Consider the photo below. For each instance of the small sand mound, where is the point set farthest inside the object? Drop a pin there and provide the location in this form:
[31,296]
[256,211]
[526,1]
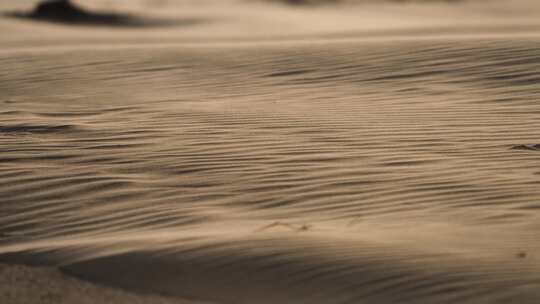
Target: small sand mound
[65,11]
[61,11]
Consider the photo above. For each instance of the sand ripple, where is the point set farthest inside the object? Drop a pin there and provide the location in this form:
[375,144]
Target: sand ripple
[348,172]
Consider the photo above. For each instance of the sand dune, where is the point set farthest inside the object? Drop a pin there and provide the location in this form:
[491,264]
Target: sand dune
[236,162]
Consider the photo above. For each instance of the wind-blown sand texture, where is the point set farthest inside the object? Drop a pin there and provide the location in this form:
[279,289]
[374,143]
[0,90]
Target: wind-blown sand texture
[267,153]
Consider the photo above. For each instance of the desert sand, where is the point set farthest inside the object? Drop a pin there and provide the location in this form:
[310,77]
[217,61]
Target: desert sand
[261,152]
[22,284]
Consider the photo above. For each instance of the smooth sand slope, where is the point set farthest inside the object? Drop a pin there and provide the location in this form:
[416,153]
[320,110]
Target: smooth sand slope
[273,154]
[21,284]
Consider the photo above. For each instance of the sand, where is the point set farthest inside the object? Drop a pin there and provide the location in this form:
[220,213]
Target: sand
[22,284]
[257,152]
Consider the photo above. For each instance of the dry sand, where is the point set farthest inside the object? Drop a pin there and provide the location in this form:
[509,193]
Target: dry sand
[249,152]
[32,285]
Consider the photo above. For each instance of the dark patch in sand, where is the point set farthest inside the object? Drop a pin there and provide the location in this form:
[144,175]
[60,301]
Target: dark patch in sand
[330,2]
[304,2]
[288,73]
[67,13]
[36,129]
[303,227]
[528,147]
[9,113]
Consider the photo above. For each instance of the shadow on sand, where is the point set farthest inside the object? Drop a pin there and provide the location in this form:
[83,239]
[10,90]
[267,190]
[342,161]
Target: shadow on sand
[67,13]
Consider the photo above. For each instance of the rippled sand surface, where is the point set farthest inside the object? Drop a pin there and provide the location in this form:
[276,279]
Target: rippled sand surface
[272,154]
